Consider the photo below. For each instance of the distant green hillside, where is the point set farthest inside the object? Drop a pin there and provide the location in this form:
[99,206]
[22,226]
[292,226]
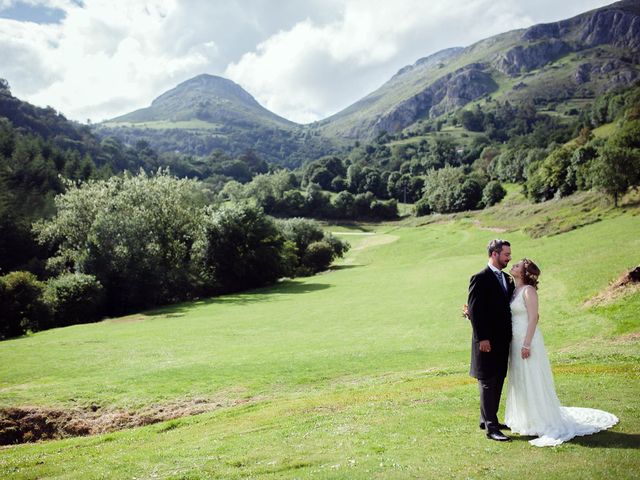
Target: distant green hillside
[207,113]
[208,98]
[560,64]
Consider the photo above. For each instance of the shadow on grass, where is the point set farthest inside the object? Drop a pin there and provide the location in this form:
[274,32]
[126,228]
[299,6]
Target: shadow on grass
[264,294]
[609,440]
[354,226]
[604,439]
[342,267]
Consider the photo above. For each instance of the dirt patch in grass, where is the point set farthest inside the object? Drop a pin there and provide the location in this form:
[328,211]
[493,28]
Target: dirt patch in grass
[627,284]
[25,424]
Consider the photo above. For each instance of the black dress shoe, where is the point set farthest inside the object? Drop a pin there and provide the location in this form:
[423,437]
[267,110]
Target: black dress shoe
[501,426]
[498,436]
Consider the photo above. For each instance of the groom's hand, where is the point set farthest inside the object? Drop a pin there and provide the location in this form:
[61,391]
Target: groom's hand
[485,346]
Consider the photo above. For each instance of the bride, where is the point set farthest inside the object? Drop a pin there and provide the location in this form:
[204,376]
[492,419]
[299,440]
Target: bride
[532,405]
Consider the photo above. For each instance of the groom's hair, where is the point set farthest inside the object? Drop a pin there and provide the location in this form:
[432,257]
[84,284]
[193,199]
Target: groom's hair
[496,245]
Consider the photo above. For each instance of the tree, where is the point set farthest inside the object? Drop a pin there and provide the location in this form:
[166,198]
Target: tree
[451,190]
[21,304]
[133,233]
[616,170]
[493,192]
[241,248]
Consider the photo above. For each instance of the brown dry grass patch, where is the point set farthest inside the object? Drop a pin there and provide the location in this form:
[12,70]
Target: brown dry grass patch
[626,284]
[31,424]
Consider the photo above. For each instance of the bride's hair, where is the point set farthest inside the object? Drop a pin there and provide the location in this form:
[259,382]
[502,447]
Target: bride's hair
[530,272]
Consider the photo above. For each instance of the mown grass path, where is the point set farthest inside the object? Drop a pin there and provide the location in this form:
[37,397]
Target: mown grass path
[360,372]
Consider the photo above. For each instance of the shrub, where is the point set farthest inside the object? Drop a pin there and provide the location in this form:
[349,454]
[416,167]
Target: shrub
[384,210]
[318,256]
[451,190]
[74,298]
[241,247]
[303,233]
[422,208]
[493,192]
[339,247]
[21,304]
[134,233]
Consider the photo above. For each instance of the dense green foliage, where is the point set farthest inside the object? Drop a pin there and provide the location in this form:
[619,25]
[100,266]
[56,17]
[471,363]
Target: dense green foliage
[134,233]
[74,298]
[283,147]
[133,242]
[21,304]
[242,248]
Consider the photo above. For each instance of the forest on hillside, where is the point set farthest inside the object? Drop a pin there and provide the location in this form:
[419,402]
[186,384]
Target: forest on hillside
[91,226]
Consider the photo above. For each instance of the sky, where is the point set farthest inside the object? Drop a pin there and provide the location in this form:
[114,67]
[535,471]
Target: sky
[303,59]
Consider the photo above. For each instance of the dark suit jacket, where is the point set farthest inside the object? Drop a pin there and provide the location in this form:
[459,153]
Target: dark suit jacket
[490,315]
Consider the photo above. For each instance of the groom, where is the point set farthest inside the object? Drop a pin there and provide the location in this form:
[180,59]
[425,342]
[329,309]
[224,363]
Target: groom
[490,314]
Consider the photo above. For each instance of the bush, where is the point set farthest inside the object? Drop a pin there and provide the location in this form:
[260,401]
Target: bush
[74,298]
[303,233]
[134,233]
[241,248]
[318,256]
[384,210]
[21,304]
[422,208]
[451,190]
[339,247]
[493,192]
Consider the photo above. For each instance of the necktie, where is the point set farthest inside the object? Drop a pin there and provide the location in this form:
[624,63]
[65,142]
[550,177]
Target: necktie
[501,280]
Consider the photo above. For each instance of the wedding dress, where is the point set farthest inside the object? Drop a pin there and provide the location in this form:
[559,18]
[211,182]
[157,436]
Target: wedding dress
[533,407]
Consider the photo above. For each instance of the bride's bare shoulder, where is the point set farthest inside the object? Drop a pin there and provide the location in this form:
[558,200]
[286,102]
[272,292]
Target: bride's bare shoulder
[529,291]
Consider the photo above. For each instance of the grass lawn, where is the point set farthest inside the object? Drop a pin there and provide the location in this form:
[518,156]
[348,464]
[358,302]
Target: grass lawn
[360,372]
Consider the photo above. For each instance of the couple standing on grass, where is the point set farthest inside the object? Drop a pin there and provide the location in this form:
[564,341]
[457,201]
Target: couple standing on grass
[503,310]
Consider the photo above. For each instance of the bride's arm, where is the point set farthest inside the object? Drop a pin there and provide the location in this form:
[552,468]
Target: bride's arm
[531,302]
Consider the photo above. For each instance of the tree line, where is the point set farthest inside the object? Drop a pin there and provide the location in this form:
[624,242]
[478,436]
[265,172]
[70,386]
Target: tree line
[137,241]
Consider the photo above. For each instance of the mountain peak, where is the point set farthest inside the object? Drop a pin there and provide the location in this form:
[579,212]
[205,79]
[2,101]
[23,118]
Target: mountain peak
[205,97]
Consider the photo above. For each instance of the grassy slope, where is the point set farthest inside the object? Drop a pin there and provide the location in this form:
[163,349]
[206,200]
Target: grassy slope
[358,373]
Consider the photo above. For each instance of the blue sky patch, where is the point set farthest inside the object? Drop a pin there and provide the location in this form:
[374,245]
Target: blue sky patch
[24,12]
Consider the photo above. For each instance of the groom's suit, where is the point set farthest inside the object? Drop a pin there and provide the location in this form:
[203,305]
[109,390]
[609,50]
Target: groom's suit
[490,315]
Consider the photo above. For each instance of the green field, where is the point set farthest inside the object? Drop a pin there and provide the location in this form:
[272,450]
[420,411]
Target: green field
[360,372]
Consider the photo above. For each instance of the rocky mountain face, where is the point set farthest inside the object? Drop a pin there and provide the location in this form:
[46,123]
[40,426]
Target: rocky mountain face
[581,57]
[617,25]
[447,93]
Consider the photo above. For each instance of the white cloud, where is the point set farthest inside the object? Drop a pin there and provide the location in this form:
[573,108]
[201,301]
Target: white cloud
[303,60]
[101,51]
[314,69]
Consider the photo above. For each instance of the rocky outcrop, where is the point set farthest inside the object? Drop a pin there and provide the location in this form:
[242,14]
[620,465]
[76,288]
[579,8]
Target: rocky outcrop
[621,78]
[583,73]
[529,57]
[447,93]
[617,25]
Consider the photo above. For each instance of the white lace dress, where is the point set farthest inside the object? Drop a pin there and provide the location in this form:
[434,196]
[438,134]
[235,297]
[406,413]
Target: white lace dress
[533,407]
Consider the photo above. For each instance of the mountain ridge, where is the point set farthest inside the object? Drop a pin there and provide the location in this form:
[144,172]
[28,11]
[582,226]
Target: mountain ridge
[543,64]
[512,54]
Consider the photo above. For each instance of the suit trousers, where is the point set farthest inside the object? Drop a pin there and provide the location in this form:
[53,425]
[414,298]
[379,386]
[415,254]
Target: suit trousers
[490,392]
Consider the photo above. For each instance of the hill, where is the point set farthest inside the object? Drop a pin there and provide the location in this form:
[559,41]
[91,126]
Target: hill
[558,67]
[359,373]
[561,64]
[208,98]
[207,113]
